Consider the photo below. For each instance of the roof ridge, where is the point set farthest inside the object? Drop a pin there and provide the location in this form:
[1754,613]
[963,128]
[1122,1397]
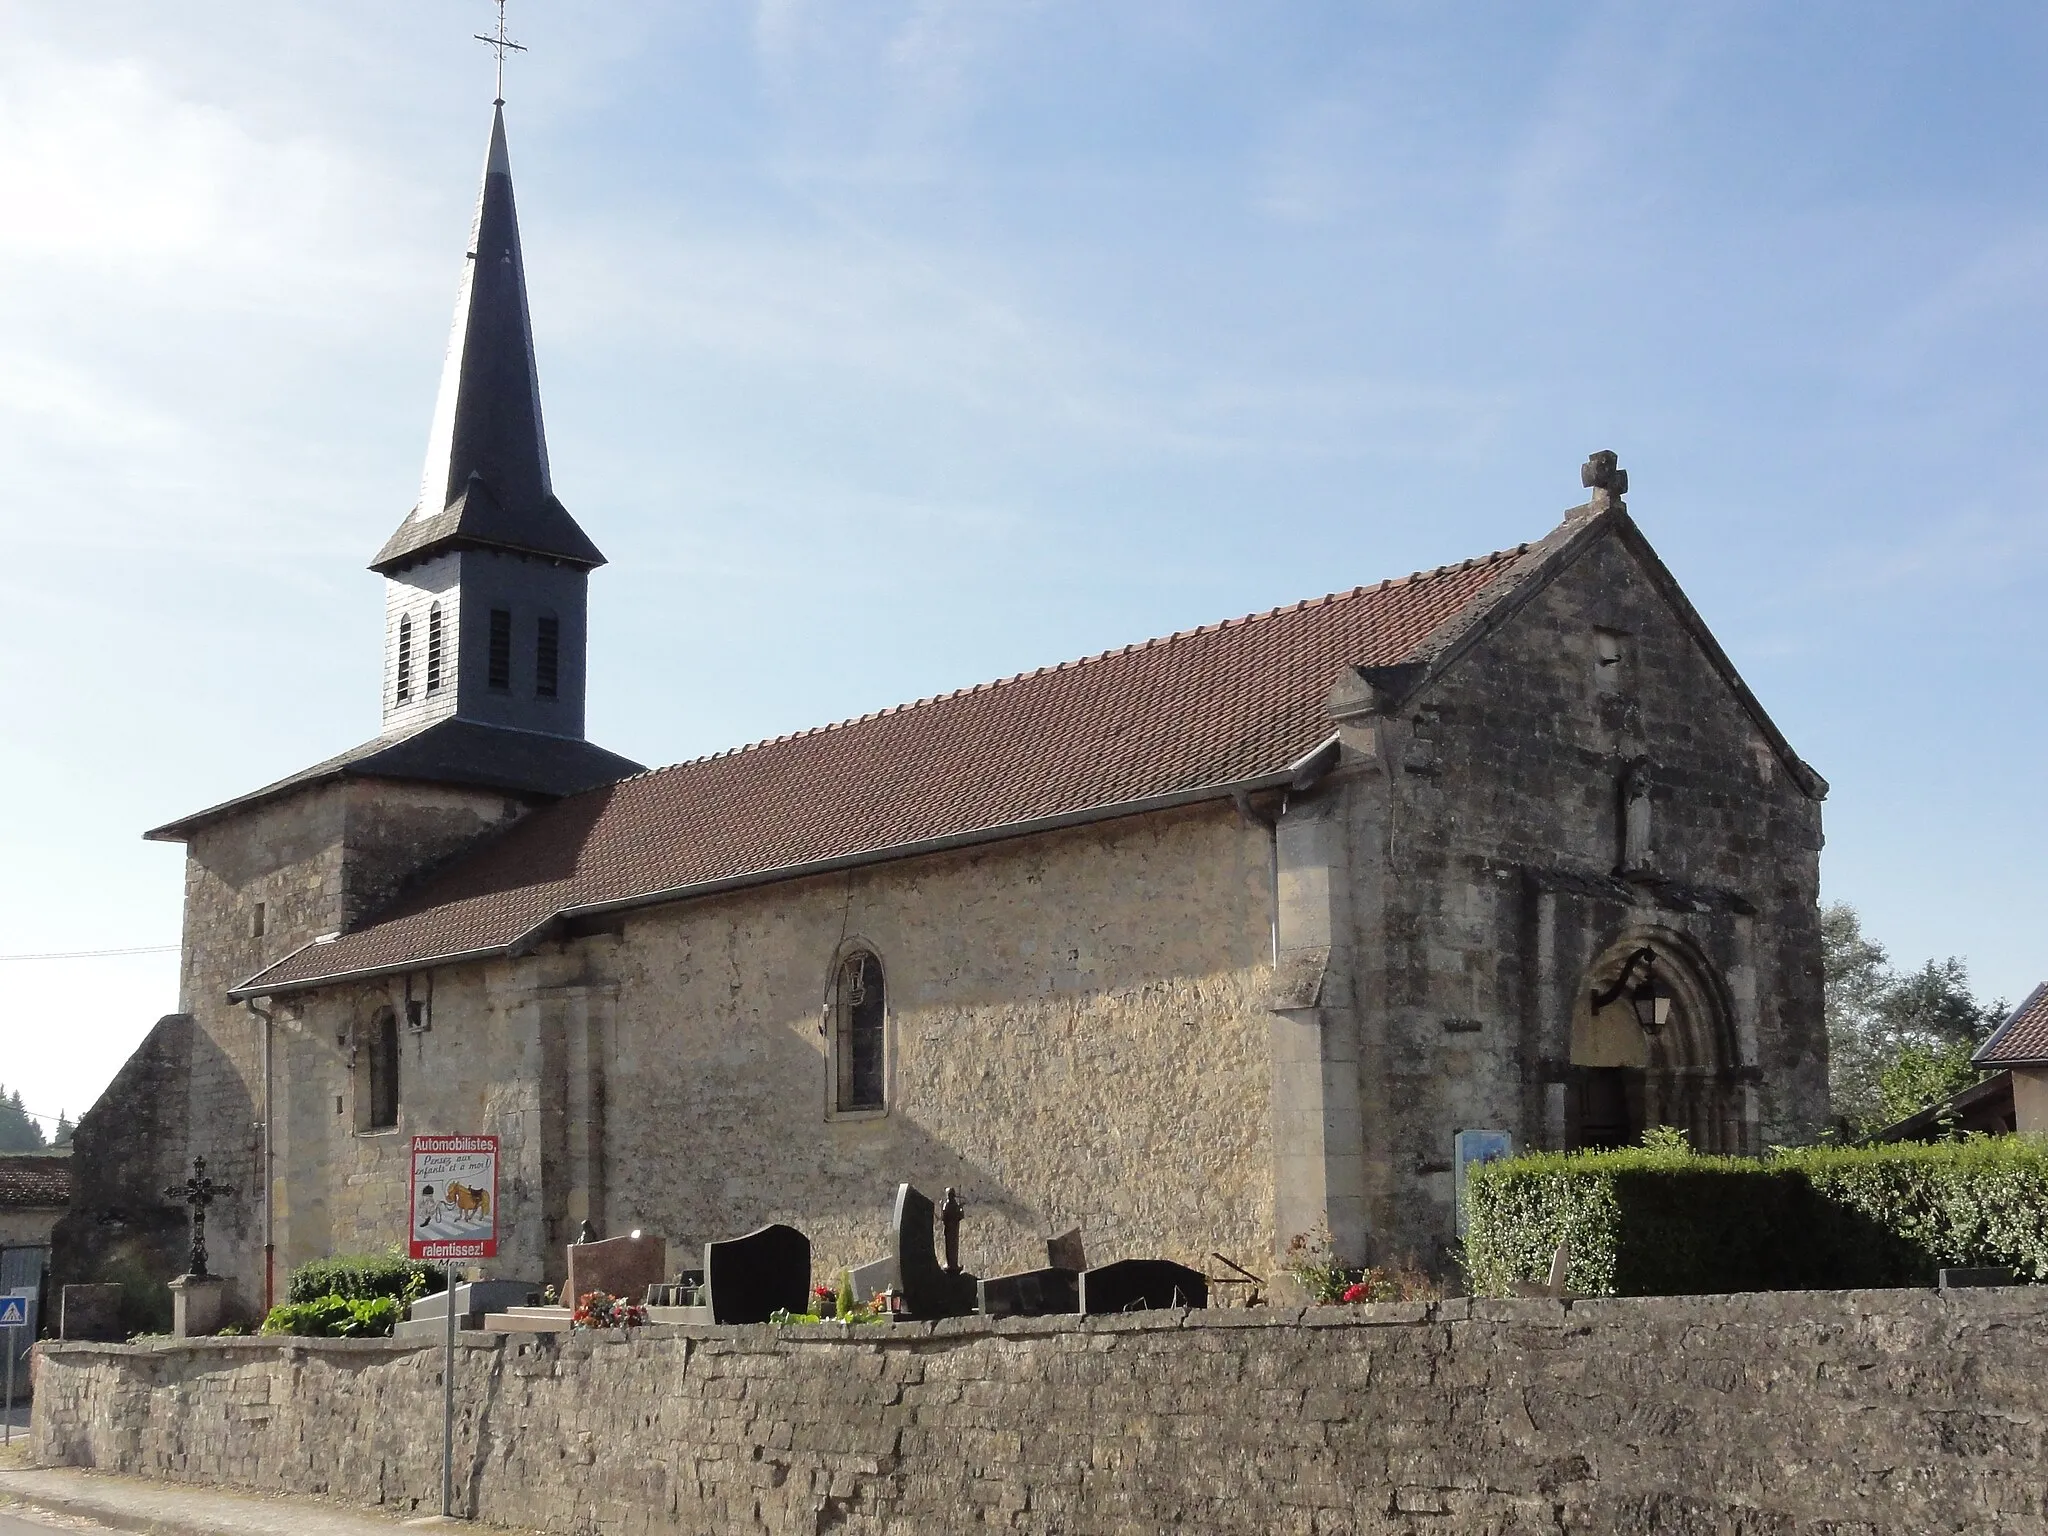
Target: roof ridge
[1091,659]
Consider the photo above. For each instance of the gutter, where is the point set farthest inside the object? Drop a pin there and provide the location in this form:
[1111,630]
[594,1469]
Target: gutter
[1300,774]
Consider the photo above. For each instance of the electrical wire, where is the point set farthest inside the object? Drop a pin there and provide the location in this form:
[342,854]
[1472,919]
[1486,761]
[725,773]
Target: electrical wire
[96,954]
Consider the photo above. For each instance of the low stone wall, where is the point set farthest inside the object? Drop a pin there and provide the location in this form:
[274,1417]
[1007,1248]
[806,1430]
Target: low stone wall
[1844,1413]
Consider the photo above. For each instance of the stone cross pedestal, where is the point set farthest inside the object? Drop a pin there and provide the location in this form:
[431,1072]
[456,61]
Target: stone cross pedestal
[196,1305]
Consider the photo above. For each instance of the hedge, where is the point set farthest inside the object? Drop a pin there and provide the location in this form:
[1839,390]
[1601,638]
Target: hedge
[364,1277]
[1658,1222]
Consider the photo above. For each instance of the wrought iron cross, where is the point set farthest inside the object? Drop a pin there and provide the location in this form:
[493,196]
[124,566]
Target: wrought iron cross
[500,44]
[198,1192]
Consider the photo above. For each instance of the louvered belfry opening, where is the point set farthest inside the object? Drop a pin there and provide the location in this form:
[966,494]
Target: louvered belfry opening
[404,688]
[547,656]
[501,649]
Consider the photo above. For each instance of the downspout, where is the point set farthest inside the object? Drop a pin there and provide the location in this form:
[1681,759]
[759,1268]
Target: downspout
[269,1187]
[1272,825]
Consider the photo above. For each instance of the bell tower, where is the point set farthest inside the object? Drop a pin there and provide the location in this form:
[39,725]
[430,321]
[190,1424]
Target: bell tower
[485,581]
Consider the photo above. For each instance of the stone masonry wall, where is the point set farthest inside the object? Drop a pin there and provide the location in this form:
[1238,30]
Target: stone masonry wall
[1818,1414]
[1486,829]
[1076,1035]
[315,860]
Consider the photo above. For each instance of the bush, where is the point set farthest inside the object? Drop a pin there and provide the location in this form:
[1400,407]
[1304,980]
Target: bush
[1658,1221]
[363,1277]
[335,1317]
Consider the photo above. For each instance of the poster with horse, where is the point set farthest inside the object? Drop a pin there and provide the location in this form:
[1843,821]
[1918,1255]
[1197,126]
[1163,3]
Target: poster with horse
[454,1198]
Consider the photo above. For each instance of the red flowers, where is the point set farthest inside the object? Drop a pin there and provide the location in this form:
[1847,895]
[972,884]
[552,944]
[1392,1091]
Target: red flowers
[1359,1292]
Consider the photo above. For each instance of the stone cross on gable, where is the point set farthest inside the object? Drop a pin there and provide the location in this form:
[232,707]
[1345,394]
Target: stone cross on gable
[1603,475]
[198,1192]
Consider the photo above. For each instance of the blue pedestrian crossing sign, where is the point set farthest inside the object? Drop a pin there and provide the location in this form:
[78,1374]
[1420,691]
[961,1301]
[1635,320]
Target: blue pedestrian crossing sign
[13,1311]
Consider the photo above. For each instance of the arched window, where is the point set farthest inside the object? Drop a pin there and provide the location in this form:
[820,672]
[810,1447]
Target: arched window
[859,1010]
[404,657]
[433,647]
[383,1071]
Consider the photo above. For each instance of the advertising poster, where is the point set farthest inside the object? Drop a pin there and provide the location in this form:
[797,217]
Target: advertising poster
[454,1198]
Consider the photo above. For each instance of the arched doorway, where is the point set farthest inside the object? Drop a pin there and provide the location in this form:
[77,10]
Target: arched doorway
[1624,1079]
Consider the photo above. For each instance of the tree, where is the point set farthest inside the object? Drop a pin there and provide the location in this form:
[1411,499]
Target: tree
[1922,1076]
[62,1138]
[18,1130]
[1876,1016]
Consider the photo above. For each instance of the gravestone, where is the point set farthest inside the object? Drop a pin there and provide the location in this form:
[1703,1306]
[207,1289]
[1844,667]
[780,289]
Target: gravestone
[767,1271]
[1031,1293]
[474,1301]
[928,1291]
[1142,1285]
[1066,1251]
[869,1280]
[617,1266]
[91,1313]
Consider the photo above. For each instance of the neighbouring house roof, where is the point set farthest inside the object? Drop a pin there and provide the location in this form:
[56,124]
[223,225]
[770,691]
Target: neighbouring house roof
[2022,1040]
[1197,715]
[455,751]
[1983,1108]
[35,1181]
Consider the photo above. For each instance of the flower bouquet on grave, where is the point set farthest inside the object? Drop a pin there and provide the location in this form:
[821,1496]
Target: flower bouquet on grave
[597,1309]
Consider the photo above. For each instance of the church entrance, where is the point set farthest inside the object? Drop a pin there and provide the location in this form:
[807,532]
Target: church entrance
[1652,1044]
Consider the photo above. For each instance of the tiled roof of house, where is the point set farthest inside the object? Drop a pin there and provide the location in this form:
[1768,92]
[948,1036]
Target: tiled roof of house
[1205,709]
[2022,1040]
[33,1181]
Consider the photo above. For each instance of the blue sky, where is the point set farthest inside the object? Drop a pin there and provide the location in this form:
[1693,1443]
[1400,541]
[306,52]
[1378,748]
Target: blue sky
[888,347]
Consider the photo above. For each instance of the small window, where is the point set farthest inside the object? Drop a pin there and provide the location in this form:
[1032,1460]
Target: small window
[857,1045]
[384,1071]
[256,916]
[547,655]
[501,648]
[433,648]
[404,657]
[1611,661]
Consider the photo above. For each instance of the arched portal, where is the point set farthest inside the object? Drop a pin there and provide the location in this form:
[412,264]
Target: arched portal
[1625,1079]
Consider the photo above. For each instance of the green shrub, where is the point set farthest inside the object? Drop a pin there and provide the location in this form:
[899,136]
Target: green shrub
[1658,1221]
[335,1317]
[362,1276]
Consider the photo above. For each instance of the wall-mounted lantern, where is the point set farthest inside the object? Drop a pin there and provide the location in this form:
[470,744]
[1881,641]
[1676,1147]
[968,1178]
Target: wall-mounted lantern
[1649,1000]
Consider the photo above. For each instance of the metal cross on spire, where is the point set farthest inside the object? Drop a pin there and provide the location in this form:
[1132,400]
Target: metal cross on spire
[500,44]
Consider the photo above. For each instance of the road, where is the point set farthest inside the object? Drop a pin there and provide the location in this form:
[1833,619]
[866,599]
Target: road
[42,1525]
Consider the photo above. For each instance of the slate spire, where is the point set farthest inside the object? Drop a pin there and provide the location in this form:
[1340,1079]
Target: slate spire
[487,483]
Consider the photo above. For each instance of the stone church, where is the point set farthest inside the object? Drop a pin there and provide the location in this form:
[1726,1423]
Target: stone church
[1197,945]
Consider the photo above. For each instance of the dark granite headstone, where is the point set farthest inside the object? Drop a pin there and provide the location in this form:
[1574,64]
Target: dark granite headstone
[748,1278]
[928,1291]
[1066,1252]
[1031,1293]
[1142,1285]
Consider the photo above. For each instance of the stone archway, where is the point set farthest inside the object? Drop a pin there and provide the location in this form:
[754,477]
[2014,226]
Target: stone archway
[1623,1081]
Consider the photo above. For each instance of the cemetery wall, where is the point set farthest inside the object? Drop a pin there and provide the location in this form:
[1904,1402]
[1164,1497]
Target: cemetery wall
[1076,1036]
[1793,1414]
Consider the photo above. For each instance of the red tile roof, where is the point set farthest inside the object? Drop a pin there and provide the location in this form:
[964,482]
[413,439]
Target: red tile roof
[2022,1040]
[1204,709]
[30,1181]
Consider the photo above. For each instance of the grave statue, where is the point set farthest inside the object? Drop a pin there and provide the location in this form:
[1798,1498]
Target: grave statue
[929,1289]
